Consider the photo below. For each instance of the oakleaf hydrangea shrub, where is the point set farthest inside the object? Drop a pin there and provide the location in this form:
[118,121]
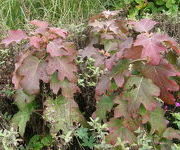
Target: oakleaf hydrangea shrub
[136,77]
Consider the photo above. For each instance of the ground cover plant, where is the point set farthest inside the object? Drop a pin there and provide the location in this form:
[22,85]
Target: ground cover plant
[136,81]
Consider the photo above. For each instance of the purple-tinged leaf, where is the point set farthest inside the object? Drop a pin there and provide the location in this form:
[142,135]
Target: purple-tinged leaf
[14,36]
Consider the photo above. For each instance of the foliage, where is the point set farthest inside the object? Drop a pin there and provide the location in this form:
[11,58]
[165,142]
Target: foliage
[177,119]
[46,58]
[139,8]
[37,142]
[135,72]
[9,139]
[95,136]
[7,91]
[89,73]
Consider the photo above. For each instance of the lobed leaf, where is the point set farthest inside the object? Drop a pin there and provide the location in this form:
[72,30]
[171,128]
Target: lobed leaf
[139,90]
[157,121]
[103,106]
[144,25]
[116,130]
[39,23]
[160,76]
[65,67]
[14,36]
[32,70]
[62,114]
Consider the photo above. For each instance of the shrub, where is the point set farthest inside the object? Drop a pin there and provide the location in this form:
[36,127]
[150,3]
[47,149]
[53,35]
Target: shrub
[134,83]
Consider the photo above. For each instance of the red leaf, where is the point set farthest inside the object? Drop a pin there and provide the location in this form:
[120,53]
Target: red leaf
[144,25]
[110,62]
[160,76]
[40,24]
[170,42]
[14,36]
[99,60]
[133,52]
[119,71]
[16,78]
[103,85]
[64,66]
[32,70]
[152,47]
[119,79]
[126,44]
[116,130]
[35,41]
[56,48]
[89,51]
[60,32]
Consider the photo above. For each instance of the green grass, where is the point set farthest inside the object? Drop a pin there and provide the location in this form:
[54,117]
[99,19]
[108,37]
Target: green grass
[15,13]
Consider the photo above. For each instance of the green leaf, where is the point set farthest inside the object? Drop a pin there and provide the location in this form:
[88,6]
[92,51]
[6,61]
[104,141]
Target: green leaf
[47,140]
[160,2]
[35,143]
[22,99]
[157,120]
[22,117]
[62,113]
[89,142]
[82,133]
[104,105]
[139,90]
[121,66]
[139,1]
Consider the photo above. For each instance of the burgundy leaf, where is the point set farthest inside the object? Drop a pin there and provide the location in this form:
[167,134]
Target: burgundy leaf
[160,76]
[89,51]
[110,62]
[133,52]
[103,85]
[152,46]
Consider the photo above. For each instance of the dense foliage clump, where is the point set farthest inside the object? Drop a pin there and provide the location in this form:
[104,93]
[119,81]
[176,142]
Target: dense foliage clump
[136,79]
